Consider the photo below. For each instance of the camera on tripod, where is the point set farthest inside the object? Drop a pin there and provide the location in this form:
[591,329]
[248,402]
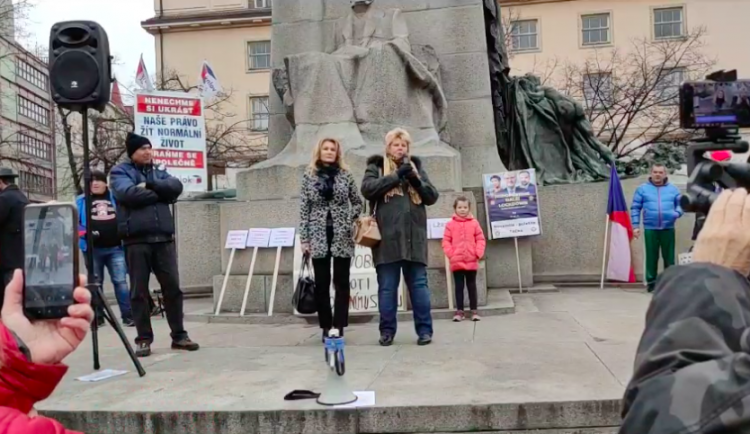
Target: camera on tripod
[721,106]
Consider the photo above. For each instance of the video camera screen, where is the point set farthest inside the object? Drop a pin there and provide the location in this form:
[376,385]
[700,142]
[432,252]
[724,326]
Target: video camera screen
[710,104]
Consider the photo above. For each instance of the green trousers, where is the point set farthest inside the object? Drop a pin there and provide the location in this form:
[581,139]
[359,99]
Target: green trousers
[656,240]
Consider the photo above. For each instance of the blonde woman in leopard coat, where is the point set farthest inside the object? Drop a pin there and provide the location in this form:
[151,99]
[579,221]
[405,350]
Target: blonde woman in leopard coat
[329,206]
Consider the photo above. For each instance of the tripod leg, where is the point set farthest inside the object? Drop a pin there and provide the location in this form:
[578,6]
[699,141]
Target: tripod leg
[109,316]
[95,324]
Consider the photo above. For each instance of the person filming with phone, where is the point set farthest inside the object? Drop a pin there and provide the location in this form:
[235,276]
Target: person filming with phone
[692,367]
[145,223]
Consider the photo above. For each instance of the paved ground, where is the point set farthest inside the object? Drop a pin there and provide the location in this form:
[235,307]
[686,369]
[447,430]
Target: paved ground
[569,346]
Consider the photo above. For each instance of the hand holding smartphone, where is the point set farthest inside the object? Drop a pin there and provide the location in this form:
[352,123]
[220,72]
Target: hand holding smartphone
[51,260]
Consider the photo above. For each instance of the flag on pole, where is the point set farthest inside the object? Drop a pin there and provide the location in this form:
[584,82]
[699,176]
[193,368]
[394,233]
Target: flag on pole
[620,265]
[142,78]
[211,86]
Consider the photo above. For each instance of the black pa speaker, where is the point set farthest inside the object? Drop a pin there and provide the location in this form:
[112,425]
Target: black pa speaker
[79,65]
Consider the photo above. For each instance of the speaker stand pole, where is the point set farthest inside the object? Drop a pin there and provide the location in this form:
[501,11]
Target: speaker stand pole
[98,302]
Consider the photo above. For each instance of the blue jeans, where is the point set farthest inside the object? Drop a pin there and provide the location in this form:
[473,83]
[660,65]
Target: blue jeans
[114,259]
[389,277]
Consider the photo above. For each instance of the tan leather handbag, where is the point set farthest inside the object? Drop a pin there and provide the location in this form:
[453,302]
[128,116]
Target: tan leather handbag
[366,230]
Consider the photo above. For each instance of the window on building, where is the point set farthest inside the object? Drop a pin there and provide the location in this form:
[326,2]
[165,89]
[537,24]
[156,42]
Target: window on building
[33,111]
[598,90]
[669,23]
[35,183]
[259,55]
[524,35]
[35,147]
[596,29]
[263,4]
[259,113]
[668,87]
[31,74]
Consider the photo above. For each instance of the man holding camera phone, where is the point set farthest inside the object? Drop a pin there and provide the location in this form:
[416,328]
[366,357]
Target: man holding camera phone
[144,194]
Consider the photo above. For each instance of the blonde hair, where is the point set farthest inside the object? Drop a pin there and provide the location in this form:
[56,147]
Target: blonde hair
[398,133]
[389,166]
[313,166]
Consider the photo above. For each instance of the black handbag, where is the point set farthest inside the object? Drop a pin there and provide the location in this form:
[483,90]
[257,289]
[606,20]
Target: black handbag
[304,294]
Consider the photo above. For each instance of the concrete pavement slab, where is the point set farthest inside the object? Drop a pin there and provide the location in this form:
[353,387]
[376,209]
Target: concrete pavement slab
[561,363]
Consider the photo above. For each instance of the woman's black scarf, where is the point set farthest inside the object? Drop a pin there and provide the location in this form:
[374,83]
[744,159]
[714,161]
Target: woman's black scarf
[326,178]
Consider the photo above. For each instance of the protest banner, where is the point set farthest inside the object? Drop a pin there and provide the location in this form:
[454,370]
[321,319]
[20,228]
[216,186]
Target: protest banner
[174,123]
[512,204]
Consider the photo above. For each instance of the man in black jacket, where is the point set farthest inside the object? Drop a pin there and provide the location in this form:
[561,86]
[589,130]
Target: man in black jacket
[145,223]
[12,203]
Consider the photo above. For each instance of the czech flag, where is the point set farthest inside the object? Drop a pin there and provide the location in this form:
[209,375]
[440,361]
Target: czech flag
[620,265]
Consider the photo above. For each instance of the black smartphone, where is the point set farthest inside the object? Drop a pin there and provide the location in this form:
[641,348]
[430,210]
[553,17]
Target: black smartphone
[51,259]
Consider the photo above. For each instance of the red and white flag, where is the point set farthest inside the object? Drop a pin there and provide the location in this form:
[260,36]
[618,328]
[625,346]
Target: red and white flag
[620,265]
[142,79]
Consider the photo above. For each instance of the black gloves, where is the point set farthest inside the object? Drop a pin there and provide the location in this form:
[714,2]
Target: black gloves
[415,181]
[404,170]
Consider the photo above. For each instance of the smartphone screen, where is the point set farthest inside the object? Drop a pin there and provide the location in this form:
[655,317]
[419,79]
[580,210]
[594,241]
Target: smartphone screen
[51,260]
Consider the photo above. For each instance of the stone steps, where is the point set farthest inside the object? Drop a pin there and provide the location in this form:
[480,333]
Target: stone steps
[499,302]
[579,417]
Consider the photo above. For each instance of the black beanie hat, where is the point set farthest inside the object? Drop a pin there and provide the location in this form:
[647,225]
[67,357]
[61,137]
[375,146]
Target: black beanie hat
[135,142]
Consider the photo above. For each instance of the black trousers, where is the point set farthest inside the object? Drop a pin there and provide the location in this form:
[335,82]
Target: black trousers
[470,278]
[161,258]
[322,268]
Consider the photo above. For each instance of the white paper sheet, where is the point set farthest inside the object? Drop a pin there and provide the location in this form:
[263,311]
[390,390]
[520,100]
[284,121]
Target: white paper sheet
[101,375]
[364,399]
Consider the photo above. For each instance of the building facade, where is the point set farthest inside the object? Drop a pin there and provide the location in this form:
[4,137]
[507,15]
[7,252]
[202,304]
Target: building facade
[27,127]
[624,60]
[544,31]
[234,36]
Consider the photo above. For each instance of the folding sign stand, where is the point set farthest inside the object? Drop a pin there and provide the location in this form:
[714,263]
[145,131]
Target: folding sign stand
[604,253]
[236,240]
[436,231]
[280,238]
[518,266]
[256,238]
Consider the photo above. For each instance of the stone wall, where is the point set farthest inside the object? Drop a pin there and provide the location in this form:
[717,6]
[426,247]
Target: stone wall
[569,248]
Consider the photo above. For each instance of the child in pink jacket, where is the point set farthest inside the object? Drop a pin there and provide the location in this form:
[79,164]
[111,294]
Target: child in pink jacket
[463,244]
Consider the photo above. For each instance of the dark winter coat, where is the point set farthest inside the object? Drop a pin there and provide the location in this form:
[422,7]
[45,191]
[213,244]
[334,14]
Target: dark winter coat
[402,224]
[12,204]
[143,215]
[345,206]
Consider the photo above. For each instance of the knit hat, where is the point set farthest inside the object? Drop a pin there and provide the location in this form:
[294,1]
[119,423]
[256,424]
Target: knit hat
[135,142]
[721,156]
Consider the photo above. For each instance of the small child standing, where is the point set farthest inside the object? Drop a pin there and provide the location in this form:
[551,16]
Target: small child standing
[463,244]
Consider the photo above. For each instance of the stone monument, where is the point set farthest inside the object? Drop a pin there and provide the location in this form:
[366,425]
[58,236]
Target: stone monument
[353,70]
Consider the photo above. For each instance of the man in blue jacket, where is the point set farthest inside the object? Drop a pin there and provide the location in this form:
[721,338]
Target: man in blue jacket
[108,251]
[144,194]
[659,201]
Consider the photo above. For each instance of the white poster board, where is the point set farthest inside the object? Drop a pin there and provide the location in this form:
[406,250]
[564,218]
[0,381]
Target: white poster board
[258,237]
[436,231]
[512,204]
[236,240]
[175,124]
[281,237]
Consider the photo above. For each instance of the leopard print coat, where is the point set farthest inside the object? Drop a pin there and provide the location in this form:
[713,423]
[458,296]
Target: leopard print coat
[345,207]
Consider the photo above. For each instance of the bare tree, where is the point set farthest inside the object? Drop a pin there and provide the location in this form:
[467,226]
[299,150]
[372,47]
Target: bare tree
[631,95]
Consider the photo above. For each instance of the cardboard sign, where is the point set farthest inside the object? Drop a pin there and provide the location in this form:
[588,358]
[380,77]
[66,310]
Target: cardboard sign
[436,228]
[258,237]
[236,239]
[282,237]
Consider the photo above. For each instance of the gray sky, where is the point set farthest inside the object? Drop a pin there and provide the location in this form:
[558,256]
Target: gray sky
[120,18]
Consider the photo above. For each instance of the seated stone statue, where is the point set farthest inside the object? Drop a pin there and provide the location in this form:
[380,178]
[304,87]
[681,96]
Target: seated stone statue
[368,82]
[549,132]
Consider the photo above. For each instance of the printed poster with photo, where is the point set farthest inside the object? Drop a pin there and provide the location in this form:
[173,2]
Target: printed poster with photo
[512,204]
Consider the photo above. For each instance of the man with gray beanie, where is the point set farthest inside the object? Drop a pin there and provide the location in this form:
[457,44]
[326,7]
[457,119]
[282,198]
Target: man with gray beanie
[144,220]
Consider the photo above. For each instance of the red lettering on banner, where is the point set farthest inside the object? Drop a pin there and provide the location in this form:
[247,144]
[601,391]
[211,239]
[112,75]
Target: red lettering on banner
[168,105]
[179,159]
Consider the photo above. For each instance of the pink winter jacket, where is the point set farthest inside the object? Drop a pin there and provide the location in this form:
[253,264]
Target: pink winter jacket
[464,243]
